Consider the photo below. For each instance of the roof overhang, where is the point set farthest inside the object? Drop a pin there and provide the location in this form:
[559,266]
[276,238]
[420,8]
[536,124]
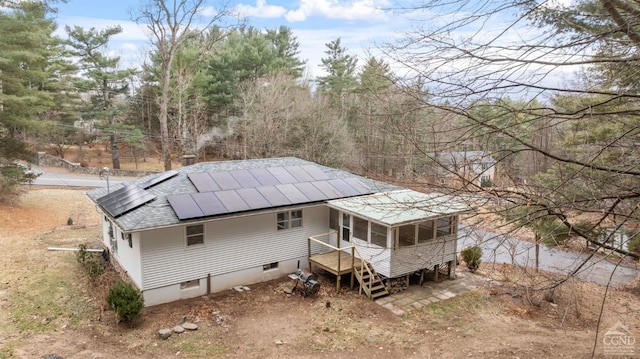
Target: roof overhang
[400,207]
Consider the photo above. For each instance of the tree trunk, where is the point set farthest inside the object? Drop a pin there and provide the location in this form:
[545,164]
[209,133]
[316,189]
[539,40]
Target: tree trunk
[164,129]
[115,155]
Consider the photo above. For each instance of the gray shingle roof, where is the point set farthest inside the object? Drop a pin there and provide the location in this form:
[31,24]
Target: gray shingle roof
[159,213]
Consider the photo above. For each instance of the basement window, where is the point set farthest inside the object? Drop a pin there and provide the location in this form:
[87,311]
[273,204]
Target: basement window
[270,266]
[190,284]
[195,235]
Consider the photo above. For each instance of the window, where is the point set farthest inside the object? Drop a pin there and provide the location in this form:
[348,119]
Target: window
[190,284]
[346,227]
[334,218]
[407,236]
[360,228]
[379,235]
[425,231]
[195,235]
[270,266]
[289,219]
[444,227]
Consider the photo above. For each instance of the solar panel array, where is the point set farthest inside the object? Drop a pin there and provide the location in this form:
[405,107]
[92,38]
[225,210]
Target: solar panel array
[125,199]
[159,179]
[258,188]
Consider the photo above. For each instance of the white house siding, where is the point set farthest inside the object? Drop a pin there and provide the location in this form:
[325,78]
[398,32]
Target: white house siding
[406,260]
[127,257]
[234,253]
[378,257]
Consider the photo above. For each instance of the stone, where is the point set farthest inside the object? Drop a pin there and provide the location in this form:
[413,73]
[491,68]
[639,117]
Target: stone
[190,326]
[164,333]
[238,289]
[178,329]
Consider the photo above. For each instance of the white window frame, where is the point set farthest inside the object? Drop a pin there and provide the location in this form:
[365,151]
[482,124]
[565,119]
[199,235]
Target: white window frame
[289,219]
[187,236]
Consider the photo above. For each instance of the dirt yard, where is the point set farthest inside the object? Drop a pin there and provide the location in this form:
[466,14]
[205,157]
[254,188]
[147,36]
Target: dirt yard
[49,306]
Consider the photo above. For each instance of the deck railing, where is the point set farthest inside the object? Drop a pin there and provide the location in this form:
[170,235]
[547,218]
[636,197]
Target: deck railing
[364,265]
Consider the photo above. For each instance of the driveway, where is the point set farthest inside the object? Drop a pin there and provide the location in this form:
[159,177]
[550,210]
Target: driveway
[504,249]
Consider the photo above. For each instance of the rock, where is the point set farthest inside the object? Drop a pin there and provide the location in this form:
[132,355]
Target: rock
[238,289]
[182,320]
[289,288]
[244,287]
[279,342]
[178,329]
[190,326]
[164,333]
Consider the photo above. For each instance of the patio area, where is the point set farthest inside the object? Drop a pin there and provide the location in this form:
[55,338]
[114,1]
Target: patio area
[416,296]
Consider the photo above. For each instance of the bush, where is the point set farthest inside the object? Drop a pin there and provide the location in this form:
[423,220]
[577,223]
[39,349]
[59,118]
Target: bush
[126,301]
[92,262]
[471,257]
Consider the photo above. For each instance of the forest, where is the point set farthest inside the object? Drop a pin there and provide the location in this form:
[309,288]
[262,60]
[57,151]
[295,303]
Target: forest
[552,98]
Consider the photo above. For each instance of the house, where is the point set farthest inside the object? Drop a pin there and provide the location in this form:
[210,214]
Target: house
[211,226]
[476,167]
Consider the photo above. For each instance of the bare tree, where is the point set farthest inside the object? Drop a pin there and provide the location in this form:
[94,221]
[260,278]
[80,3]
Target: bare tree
[536,82]
[170,24]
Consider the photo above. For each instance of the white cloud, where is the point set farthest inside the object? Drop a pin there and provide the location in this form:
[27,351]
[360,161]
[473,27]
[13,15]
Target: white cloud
[355,10]
[261,10]
[208,11]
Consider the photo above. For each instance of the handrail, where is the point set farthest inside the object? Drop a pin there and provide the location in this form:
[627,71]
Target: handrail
[354,251]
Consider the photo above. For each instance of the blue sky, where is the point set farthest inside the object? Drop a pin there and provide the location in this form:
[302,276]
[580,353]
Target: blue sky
[360,24]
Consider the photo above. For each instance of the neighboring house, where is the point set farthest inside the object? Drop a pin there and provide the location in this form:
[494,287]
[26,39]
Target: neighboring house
[477,167]
[211,226]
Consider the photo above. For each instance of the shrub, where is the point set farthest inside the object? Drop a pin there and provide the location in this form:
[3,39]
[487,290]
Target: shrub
[126,301]
[471,257]
[92,263]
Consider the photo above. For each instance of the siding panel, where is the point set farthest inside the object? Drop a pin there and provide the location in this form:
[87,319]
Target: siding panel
[230,245]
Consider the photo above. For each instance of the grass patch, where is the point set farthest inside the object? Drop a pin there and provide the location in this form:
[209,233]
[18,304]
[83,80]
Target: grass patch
[49,299]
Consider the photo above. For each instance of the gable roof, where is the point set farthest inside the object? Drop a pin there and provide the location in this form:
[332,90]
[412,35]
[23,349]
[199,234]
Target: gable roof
[400,207]
[227,188]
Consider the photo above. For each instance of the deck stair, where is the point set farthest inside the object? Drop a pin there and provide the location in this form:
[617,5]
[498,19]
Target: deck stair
[370,281]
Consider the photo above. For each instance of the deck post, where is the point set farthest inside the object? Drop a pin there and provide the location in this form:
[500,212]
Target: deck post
[421,276]
[338,276]
[436,271]
[309,253]
[353,264]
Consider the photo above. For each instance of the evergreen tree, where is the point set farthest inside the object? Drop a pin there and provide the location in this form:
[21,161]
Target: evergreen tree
[101,79]
[340,79]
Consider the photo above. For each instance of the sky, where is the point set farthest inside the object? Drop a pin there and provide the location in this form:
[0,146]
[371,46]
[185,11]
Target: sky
[361,24]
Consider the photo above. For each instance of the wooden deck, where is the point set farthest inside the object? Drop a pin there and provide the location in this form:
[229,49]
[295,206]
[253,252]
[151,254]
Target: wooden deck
[336,262]
[329,262]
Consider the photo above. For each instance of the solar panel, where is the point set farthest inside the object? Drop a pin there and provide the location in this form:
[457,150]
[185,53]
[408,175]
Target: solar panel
[310,191]
[253,198]
[232,201]
[281,175]
[159,178]
[344,187]
[327,189]
[245,178]
[203,182]
[124,200]
[315,172]
[184,206]
[292,193]
[209,204]
[275,197]
[225,180]
[263,176]
[359,186]
[299,174]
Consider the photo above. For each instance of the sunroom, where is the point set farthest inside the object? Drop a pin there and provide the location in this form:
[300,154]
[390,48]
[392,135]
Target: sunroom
[398,233]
